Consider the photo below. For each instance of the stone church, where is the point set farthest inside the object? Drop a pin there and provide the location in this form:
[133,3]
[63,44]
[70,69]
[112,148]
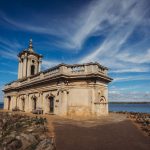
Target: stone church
[78,89]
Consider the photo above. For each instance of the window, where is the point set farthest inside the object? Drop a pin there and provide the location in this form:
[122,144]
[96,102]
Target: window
[32,70]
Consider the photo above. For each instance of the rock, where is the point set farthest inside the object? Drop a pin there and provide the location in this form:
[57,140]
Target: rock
[15,144]
[30,130]
[45,145]
[29,137]
[8,140]
[13,134]
[42,137]
[24,133]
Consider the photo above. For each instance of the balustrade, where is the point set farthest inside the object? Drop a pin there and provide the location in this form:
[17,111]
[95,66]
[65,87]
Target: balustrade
[61,69]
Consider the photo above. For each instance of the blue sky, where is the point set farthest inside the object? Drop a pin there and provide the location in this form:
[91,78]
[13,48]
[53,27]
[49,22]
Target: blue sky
[114,33]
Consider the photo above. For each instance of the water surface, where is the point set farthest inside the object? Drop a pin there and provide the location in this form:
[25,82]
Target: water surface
[1,105]
[144,108]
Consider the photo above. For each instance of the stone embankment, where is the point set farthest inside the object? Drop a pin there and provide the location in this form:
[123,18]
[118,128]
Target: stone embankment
[20,132]
[142,119]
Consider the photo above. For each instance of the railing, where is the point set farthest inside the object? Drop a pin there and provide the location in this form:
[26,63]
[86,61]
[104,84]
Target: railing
[76,69]
[102,70]
[61,69]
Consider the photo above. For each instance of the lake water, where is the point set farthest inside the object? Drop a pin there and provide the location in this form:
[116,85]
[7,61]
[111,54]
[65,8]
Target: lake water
[1,105]
[145,108]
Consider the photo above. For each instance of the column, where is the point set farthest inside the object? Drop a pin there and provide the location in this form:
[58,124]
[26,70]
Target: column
[106,97]
[19,68]
[17,101]
[30,103]
[14,101]
[41,101]
[36,69]
[5,103]
[28,67]
[92,100]
[64,103]
[25,66]
[20,72]
[27,103]
[44,103]
[40,65]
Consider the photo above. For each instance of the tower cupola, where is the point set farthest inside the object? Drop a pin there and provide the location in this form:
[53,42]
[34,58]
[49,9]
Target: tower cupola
[29,62]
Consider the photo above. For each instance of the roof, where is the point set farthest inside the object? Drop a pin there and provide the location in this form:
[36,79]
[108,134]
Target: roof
[29,51]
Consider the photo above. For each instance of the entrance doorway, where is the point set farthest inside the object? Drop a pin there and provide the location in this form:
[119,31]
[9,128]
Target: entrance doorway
[51,104]
[34,103]
[9,101]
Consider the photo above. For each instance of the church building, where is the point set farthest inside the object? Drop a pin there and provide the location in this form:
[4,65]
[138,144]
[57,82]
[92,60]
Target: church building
[78,89]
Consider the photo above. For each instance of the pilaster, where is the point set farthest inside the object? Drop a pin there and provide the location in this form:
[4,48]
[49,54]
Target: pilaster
[28,66]
[40,62]
[19,65]
[64,103]
[25,66]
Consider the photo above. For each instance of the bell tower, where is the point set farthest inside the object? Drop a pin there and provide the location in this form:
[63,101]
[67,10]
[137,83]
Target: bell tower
[29,62]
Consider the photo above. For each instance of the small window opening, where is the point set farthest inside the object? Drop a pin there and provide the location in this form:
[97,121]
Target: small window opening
[32,70]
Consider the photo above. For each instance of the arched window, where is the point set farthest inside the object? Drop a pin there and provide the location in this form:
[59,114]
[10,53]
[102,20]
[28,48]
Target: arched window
[51,104]
[9,102]
[102,99]
[34,102]
[23,104]
[50,98]
[32,70]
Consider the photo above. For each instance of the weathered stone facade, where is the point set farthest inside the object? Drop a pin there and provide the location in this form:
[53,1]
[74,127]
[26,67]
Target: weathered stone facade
[79,89]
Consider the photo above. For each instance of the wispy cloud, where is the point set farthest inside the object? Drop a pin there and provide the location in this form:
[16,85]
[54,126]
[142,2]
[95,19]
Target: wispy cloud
[9,49]
[8,72]
[130,93]
[9,54]
[127,20]
[130,70]
[93,19]
[130,96]
[139,58]
[131,78]
[47,64]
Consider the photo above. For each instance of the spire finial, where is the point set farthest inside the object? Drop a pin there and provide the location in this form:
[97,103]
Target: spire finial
[30,46]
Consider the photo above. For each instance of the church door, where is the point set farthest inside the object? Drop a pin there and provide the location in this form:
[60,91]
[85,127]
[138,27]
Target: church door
[9,101]
[34,104]
[23,104]
[51,102]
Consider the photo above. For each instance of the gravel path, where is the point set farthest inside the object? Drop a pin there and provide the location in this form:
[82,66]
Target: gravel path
[110,133]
